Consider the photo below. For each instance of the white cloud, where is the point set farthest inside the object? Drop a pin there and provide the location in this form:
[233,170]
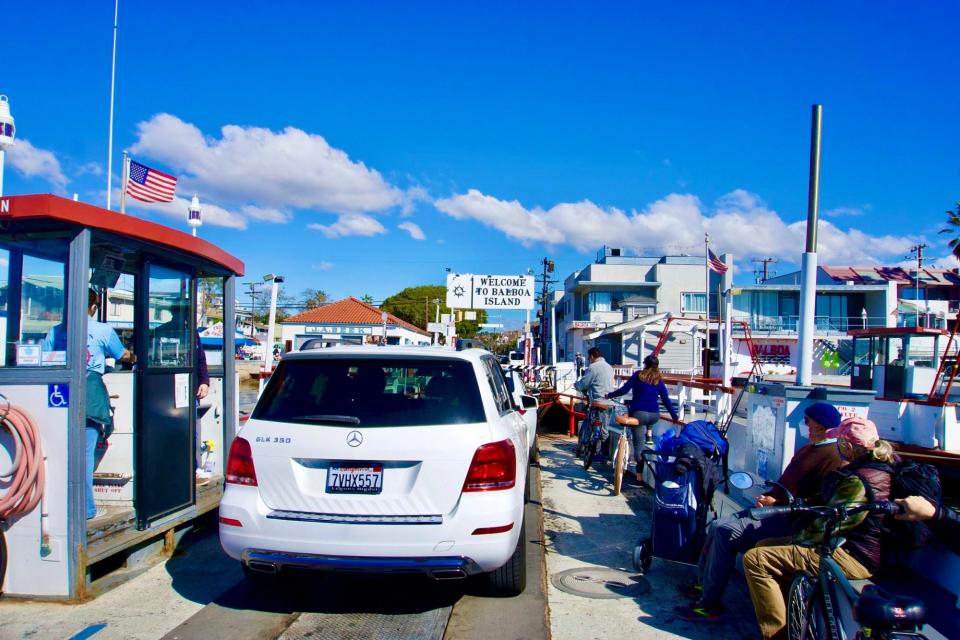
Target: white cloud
[838,212]
[410,198]
[275,171]
[740,223]
[350,224]
[413,229]
[265,214]
[177,210]
[32,162]
[323,265]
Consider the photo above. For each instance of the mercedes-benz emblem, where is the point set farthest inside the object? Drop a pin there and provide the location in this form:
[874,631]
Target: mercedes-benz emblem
[354,438]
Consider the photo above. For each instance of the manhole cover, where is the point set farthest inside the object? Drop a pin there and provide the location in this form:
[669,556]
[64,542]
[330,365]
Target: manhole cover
[598,582]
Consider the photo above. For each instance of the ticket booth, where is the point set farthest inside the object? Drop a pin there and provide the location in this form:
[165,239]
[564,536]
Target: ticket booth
[896,362]
[147,280]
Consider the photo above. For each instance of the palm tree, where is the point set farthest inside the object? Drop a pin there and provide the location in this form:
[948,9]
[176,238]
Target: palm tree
[953,226]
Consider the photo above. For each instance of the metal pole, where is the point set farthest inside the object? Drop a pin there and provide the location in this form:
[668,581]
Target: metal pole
[808,273]
[553,333]
[113,75]
[436,336]
[2,154]
[706,299]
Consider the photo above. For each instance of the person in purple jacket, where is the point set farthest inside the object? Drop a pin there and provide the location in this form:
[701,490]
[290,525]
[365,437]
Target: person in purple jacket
[648,388]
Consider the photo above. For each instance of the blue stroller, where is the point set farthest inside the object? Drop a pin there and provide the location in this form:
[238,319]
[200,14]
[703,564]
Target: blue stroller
[685,478]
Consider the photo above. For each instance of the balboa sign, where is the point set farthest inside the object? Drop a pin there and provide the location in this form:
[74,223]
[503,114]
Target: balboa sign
[469,291]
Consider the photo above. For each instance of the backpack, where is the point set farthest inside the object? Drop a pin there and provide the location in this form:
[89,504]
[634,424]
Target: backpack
[907,478]
[706,436]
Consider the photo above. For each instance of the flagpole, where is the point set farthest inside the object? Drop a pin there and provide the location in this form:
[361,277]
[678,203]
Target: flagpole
[124,175]
[706,292]
[113,75]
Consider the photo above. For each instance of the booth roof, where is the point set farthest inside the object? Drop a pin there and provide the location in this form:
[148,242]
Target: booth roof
[87,215]
[349,311]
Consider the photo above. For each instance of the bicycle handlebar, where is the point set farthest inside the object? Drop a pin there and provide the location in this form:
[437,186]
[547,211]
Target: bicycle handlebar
[840,511]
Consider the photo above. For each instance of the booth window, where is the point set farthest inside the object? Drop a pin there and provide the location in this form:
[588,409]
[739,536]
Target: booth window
[169,316]
[33,307]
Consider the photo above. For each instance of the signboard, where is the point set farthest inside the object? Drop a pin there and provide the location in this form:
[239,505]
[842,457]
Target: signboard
[584,324]
[469,291]
[436,327]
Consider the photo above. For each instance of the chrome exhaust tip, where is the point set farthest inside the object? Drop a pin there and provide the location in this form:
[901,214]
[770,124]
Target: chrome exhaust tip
[448,574]
[263,567]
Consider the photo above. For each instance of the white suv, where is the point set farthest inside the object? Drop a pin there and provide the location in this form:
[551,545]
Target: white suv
[381,459]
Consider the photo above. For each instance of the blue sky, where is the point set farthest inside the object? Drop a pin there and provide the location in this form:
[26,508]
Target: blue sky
[499,133]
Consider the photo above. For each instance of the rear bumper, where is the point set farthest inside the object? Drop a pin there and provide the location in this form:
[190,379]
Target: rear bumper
[441,568]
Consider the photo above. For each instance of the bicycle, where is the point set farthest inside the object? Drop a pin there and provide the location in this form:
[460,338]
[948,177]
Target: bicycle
[825,606]
[591,436]
[622,455]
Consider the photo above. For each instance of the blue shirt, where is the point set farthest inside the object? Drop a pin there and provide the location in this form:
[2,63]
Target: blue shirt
[645,396]
[102,342]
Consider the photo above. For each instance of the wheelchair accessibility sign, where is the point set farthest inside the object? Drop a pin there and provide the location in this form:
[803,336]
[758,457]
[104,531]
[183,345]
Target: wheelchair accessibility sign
[58,396]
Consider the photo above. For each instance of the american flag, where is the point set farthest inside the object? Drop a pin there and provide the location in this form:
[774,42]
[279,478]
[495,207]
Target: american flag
[150,185]
[715,263]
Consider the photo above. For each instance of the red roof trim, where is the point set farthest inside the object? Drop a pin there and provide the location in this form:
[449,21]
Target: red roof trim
[88,215]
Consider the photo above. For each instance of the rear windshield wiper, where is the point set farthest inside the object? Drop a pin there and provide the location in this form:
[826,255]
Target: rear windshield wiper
[336,419]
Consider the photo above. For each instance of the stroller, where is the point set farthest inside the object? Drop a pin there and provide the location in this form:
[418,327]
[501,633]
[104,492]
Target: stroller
[686,470]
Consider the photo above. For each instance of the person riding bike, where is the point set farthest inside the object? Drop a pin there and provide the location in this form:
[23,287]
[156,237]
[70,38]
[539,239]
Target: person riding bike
[770,566]
[647,387]
[803,478]
[597,381]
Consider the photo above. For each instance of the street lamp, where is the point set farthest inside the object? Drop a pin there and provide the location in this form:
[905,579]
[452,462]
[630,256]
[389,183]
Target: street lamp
[193,215]
[276,280]
[436,339]
[7,133]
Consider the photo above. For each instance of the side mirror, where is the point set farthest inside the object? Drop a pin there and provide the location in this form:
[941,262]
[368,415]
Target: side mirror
[741,480]
[528,402]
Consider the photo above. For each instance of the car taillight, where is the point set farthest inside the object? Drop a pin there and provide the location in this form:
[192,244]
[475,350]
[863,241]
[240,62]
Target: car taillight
[494,467]
[240,464]
[521,411]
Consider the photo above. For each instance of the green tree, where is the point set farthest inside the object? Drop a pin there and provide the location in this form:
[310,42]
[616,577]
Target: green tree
[416,306]
[953,227]
[367,298]
[313,298]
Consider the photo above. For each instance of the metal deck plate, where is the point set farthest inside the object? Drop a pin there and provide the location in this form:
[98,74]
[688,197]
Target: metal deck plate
[428,625]
[600,582]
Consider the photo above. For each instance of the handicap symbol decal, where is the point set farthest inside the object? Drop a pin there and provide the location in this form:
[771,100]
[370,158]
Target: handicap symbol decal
[58,396]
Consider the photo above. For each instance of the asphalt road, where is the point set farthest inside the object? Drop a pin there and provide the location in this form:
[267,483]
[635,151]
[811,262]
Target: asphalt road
[339,606]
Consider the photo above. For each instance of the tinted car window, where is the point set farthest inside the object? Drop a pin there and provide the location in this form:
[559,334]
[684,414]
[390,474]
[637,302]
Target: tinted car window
[372,392]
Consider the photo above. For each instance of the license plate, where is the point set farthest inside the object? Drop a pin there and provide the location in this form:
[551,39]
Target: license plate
[353,478]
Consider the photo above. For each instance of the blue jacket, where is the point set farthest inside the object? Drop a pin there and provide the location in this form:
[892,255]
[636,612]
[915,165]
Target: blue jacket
[645,395]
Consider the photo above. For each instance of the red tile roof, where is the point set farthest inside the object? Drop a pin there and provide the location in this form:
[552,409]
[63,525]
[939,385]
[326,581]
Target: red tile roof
[349,311]
[878,275]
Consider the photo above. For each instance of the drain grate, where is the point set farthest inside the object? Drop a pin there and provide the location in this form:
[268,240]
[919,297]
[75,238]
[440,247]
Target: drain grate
[428,625]
[600,582]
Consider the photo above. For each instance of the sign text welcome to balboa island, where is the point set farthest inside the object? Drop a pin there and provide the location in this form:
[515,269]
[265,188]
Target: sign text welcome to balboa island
[469,291]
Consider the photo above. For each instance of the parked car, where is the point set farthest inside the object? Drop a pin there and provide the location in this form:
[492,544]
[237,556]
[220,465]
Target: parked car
[388,459]
[526,404]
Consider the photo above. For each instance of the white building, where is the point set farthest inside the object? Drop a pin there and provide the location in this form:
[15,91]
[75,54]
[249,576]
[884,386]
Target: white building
[625,296]
[349,321]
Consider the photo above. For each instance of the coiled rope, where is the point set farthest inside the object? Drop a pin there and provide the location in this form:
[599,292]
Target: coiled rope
[23,481]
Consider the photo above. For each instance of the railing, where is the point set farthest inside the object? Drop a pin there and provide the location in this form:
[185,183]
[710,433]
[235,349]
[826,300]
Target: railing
[791,324]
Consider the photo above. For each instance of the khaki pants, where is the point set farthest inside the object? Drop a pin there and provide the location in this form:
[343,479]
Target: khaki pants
[769,571]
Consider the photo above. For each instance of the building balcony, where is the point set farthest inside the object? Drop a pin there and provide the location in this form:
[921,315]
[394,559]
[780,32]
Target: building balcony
[788,326]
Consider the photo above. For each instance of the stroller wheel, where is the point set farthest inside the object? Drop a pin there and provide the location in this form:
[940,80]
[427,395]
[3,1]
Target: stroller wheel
[642,555]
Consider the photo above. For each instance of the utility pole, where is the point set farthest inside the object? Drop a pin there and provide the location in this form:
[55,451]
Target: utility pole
[762,273]
[545,282]
[253,306]
[918,250]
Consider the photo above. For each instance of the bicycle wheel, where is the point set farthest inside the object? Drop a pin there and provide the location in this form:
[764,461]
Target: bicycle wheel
[620,464]
[804,618]
[590,449]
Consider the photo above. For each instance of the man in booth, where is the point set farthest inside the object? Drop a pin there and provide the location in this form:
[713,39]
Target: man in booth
[102,343]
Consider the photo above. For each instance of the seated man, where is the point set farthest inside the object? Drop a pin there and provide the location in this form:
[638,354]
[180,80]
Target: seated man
[735,534]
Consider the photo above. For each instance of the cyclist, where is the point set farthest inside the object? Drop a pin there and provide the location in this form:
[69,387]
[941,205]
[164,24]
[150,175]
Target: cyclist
[647,387]
[597,381]
[735,534]
[770,566]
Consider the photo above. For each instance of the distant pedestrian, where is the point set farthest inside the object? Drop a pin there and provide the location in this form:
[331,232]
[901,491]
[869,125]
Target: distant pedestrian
[579,361]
